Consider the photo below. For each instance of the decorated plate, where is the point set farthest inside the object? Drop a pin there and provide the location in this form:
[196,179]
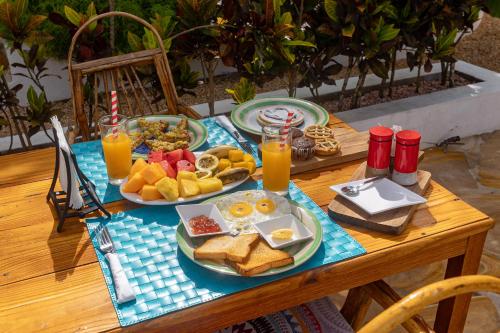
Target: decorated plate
[245,116]
[301,252]
[197,131]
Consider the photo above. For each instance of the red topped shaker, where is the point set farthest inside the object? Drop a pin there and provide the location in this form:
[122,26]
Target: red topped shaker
[406,157]
[379,151]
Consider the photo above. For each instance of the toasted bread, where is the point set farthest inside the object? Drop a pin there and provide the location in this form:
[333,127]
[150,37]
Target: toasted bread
[261,259]
[227,247]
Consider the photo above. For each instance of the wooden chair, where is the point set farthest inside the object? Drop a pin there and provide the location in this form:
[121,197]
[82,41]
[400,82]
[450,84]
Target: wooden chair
[404,311]
[121,73]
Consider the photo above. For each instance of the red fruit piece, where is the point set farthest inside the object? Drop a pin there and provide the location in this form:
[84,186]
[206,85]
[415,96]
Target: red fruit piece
[188,156]
[155,157]
[184,165]
[169,170]
[174,156]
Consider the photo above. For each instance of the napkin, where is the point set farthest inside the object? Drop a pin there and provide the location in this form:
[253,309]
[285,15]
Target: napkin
[76,200]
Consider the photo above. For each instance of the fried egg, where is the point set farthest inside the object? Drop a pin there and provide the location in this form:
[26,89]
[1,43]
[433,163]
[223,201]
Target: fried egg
[243,209]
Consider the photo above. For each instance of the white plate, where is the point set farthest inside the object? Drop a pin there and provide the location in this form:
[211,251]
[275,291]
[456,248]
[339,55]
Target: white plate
[380,196]
[300,231]
[187,212]
[134,197]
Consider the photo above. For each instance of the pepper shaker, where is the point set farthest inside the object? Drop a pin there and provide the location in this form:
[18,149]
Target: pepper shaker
[406,157]
[379,151]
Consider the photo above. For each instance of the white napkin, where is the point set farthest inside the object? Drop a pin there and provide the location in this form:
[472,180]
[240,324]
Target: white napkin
[76,201]
[124,291]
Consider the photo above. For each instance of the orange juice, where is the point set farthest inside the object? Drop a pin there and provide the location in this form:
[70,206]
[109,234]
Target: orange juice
[276,166]
[118,155]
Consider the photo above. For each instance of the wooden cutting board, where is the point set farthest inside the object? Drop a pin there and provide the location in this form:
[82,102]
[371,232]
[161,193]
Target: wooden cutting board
[392,222]
[353,146]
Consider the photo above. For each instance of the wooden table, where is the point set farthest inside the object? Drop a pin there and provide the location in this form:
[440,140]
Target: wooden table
[53,282]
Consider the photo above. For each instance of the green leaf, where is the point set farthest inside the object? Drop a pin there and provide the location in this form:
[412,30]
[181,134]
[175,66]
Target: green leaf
[134,42]
[297,43]
[167,43]
[72,16]
[91,12]
[331,10]
[348,31]
[32,97]
[448,40]
[378,68]
[388,32]
[149,39]
[286,18]
[20,7]
[493,7]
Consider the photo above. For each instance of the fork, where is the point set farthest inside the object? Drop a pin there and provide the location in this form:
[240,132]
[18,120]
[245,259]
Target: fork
[224,122]
[124,291]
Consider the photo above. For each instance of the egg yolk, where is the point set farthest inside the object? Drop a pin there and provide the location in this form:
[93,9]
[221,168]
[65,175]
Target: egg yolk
[265,206]
[240,209]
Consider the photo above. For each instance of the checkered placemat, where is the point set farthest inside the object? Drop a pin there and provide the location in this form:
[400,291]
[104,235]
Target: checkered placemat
[165,280]
[90,159]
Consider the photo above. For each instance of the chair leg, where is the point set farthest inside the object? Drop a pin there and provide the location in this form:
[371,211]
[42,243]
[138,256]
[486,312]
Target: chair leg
[385,296]
[355,307]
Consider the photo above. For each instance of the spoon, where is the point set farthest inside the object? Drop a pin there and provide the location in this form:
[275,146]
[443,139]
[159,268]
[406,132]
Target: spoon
[354,190]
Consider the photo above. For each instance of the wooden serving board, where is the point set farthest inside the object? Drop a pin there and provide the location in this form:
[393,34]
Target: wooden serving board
[353,146]
[392,222]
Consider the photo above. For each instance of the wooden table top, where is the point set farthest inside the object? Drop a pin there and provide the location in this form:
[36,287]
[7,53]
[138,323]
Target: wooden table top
[53,282]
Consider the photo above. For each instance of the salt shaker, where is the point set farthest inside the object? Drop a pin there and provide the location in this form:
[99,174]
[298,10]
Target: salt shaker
[379,151]
[406,157]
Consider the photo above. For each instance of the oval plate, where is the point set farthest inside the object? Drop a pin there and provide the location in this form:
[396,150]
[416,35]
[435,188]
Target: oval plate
[301,252]
[245,115]
[197,131]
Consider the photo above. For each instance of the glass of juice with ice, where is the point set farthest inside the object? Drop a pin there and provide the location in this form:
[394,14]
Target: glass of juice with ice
[276,159]
[117,148]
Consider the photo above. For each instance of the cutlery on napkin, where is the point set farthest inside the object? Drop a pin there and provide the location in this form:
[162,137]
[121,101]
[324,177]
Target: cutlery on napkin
[76,200]
[124,291]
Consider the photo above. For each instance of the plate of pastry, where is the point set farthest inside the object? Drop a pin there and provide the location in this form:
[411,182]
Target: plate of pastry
[254,114]
[244,250]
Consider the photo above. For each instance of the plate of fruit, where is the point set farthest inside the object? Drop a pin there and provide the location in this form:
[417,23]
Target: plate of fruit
[165,133]
[181,176]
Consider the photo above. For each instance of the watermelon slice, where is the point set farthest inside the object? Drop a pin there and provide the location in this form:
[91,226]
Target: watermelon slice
[169,170]
[155,157]
[184,165]
[188,156]
[174,156]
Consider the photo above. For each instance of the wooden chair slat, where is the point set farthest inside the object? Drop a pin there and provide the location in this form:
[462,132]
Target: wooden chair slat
[134,91]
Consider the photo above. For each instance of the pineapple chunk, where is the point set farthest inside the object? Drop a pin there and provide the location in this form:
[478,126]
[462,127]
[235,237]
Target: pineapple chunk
[224,163]
[209,185]
[138,166]
[188,188]
[186,175]
[248,158]
[235,155]
[249,165]
[149,192]
[134,184]
[168,188]
[153,173]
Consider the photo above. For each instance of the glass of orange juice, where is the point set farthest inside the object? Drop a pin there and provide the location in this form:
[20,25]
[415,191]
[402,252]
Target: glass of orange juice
[276,159]
[117,148]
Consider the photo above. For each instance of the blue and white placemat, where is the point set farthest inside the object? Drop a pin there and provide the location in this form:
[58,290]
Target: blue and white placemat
[90,159]
[165,280]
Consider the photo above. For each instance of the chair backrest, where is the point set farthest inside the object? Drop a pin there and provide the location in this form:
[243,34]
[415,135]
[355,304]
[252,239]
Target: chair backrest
[416,301]
[123,74]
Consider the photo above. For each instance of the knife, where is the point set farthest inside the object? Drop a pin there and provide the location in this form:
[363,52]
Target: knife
[225,123]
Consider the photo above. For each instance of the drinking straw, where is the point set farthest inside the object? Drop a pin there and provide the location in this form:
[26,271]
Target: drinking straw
[114,114]
[286,129]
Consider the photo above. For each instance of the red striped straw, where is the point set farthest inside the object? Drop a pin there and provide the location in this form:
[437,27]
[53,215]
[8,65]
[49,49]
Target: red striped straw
[286,129]
[114,113]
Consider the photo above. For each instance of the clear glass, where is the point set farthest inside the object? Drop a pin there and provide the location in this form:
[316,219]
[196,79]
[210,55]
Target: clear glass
[276,159]
[117,149]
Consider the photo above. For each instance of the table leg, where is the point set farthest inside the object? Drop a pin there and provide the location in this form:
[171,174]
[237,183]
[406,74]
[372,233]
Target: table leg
[452,312]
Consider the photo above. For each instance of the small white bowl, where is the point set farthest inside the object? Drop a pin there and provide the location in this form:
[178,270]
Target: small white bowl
[187,212]
[289,221]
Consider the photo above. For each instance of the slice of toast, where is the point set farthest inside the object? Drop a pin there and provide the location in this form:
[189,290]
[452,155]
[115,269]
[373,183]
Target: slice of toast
[227,247]
[261,259]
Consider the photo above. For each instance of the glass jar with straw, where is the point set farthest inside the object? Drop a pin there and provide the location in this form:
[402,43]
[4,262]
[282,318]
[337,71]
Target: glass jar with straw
[277,156]
[116,144]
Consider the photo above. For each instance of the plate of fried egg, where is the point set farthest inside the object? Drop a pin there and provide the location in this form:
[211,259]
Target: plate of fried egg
[241,211]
